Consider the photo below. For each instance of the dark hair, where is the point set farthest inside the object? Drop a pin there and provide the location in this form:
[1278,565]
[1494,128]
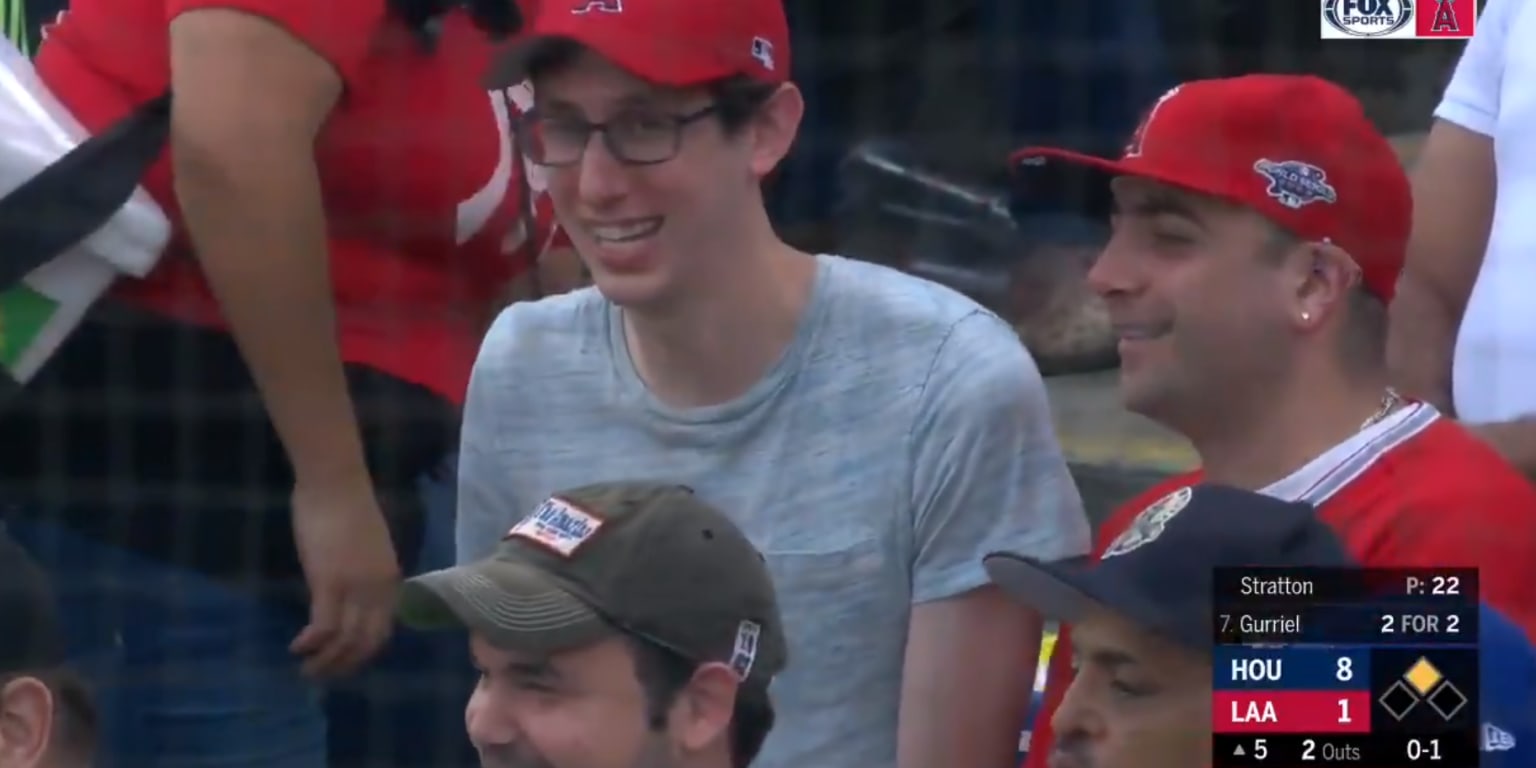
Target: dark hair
[663,673]
[737,98]
[75,730]
[1363,343]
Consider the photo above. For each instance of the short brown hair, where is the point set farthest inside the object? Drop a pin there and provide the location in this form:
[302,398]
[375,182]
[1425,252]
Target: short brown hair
[663,673]
[1363,342]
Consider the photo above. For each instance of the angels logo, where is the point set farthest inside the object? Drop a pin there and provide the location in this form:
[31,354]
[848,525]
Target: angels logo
[1133,149]
[599,6]
[1150,523]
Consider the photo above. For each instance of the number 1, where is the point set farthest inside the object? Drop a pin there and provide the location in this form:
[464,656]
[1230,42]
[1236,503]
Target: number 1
[1344,711]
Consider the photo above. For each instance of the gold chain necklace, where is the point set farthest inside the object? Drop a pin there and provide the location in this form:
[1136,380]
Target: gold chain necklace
[1390,401]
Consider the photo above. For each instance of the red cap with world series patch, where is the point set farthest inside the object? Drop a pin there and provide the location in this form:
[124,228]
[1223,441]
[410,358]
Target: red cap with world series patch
[1297,149]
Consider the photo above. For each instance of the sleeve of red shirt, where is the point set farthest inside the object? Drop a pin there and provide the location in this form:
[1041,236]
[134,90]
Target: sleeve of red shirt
[1486,519]
[341,31]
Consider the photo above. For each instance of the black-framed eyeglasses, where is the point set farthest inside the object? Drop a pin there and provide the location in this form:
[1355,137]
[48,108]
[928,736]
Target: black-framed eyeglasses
[633,138]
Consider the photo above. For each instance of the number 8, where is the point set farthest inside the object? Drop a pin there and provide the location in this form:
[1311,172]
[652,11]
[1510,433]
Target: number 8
[1345,673]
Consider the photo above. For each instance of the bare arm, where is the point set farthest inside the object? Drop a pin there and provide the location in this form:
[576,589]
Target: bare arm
[1453,188]
[988,476]
[967,681]
[1453,200]
[250,99]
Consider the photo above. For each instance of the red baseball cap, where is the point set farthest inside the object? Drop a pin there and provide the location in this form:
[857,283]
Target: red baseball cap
[1297,149]
[677,43]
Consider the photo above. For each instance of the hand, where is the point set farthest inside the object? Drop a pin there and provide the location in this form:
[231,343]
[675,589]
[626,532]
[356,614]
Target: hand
[350,567]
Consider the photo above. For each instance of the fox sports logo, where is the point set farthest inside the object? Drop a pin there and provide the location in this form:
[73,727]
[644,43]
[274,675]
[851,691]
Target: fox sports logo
[1368,18]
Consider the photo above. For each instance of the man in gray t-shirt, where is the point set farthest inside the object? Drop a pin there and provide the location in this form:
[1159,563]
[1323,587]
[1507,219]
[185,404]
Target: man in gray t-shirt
[903,435]
[873,434]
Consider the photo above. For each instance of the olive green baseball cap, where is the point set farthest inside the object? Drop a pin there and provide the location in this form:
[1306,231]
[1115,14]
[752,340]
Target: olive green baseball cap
[648,559]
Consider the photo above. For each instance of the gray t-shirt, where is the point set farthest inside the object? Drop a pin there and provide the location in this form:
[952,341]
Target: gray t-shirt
[903,435]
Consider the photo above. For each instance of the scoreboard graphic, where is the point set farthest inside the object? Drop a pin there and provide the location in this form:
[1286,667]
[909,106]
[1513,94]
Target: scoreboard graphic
[1360,667]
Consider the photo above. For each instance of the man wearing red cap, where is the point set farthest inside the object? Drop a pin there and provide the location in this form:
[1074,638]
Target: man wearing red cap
[1259,228]
[872,433]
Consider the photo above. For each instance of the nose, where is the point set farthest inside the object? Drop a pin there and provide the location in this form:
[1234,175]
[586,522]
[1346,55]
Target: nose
[1073,717]
[1116,271]
[489,723]
[601,178]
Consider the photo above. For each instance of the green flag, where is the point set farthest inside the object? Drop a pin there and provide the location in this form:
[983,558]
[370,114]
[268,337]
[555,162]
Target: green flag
[23,312]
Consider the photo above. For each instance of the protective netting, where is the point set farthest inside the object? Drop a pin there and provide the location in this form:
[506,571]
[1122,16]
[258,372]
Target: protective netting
[912,106]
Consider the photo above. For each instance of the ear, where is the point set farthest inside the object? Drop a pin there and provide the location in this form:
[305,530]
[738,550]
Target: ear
[775,127]
[1325,276]
[701,716]
[26,721]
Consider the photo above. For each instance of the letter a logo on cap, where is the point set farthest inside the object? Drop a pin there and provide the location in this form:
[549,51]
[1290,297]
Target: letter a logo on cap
[601,6]
[1133,149]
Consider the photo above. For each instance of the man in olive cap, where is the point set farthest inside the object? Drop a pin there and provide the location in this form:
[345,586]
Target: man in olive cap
[618,625]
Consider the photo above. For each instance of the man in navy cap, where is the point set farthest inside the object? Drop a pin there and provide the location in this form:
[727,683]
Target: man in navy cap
[1142,630]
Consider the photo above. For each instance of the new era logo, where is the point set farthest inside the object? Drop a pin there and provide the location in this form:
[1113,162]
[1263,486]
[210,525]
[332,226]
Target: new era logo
[1496,739]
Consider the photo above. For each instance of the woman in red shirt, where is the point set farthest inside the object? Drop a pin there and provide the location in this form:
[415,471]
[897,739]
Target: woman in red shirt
[351,213]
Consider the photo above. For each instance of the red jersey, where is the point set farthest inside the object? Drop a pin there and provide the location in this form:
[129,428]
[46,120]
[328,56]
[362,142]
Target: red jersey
[422,187]
[1415,490]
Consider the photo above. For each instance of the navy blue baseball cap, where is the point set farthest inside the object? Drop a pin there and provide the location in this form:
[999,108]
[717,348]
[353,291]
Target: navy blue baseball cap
[1160,573]
[30,637]
[1506,692]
